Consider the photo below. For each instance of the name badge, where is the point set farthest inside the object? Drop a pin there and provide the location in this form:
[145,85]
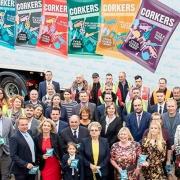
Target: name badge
[2,141]
[49,152]
[34,170]
[74,163]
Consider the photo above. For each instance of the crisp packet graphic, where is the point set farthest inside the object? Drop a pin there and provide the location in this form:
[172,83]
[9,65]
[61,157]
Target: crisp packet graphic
[7,23]
[34,170]
[74,163]
[150,33]
[49,152]
[116,20]
[142,159]
[123,174]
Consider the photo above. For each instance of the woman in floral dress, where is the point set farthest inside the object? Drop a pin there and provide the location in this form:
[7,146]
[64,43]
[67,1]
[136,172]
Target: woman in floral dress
[124,155]
[154,147]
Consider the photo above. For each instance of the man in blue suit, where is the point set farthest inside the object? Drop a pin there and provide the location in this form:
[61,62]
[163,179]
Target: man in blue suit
[22,151]
[138,121]
[43,84]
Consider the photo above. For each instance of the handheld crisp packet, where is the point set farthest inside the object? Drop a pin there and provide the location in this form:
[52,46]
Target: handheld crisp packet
[142,159]
[74,163]
[117,18]
[169,168]
[28,21]
[7,23]
[84,17]
[123,174]
[2,141]
[34,170]
[49,152]
[54,27]
[150,33]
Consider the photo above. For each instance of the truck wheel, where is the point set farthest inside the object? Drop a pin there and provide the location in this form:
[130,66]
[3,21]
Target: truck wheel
[13,86]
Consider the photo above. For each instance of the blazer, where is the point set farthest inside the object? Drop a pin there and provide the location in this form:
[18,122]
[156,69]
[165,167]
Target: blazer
[63,112]
[7,132]
[167,125]
[20,153]
[56,144]
[91,106]
[154,108]
[67,171]
[42,88]
[131,123]
[112,130]
[67,136]
[34,127]
[62,125]
[87,155]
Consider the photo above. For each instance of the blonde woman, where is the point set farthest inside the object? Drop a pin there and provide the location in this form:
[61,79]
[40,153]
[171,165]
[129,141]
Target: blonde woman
[48,151]
[154,147]
[124,155]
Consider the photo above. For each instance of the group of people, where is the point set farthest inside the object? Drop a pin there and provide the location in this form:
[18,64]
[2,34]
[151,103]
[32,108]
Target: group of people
[98,131]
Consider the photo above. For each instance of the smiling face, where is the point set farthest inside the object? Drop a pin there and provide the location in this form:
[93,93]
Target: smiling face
[23,125]
[123,136]
[38,112]
[138,107]
[154,129]
[94,132]
[46,127]
[56,100]
[17,103]
[111,110]
[71,149]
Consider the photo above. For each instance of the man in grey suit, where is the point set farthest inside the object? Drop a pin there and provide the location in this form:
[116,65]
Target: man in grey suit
[6,131]
[171,119]
[33,123]
[84,102]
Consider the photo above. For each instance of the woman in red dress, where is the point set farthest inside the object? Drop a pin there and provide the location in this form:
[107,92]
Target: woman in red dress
[48,151]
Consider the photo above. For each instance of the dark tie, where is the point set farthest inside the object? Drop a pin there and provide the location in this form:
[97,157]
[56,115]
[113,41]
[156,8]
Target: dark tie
[160,109]
[74,134]
[139,120]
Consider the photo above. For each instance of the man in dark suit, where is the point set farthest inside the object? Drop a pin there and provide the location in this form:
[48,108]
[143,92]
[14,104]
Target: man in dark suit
[138,121]
[84,102]
[55,116]
[160,106]
[22,151]
[6,131]
[74,133]
[33,123]
[48,80]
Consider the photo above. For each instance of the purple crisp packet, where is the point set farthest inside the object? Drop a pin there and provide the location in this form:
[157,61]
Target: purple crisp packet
[150,33]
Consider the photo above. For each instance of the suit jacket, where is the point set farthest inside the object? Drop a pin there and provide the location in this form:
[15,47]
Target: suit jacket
[131,123]
[67,136]
[42,88]
[56,145]
[62,125]
[87,154]
[112,130]
[34,127]
[20,153]
[63,112]
[167,125]
[154,108]
[91,106]
[7,132]
[67,171]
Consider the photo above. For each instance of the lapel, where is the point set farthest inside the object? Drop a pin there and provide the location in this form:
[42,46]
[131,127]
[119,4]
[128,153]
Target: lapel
[175,121]
[90,149]
[100,145]
[135,121]
[4,127]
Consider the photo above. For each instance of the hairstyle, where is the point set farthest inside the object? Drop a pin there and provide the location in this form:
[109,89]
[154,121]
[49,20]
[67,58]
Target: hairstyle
[171,100]
[56,95]
[108,74]
[107,107]
[29,106]
[22,117]
[95,124]
[42,115]
[176,88]
[135,88]
[48,72]
[125,129]
[137,77]
[156,114]
[51,85]
[160,91]
[163,79]
[135,98]
[67,90]
[83,91]
[55,109]
[159,138]
[5,97]
[53,127]
[85,109]
[17,97]
[72,144]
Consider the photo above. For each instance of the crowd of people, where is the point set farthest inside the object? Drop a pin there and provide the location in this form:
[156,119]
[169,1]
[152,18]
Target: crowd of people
[97,131]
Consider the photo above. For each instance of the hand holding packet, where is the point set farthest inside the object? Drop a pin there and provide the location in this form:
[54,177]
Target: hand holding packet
[49,152]
[34,170]
[74,163]
[2,141]
[123,174]
[142,159]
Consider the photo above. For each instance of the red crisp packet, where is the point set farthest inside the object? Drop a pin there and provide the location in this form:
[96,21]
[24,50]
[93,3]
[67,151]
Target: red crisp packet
[54,27]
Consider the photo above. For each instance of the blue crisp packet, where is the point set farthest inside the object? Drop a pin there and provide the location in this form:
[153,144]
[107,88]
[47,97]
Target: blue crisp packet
[49,152]
[34,170]
[74,163]
[2,141]
[99,172]
[169,168]
[123,174]
[142,159]
[78,145]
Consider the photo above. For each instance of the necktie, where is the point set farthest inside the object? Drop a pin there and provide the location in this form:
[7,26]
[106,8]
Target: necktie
[139,120]
[74,134]
[160,109]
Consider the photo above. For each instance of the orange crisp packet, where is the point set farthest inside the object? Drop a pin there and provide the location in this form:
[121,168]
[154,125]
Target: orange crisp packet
[117,18]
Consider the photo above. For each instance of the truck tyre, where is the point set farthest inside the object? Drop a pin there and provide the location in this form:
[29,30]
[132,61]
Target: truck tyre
[13,86]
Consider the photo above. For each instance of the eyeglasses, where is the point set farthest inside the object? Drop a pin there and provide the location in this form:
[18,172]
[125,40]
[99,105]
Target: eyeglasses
[95,130]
